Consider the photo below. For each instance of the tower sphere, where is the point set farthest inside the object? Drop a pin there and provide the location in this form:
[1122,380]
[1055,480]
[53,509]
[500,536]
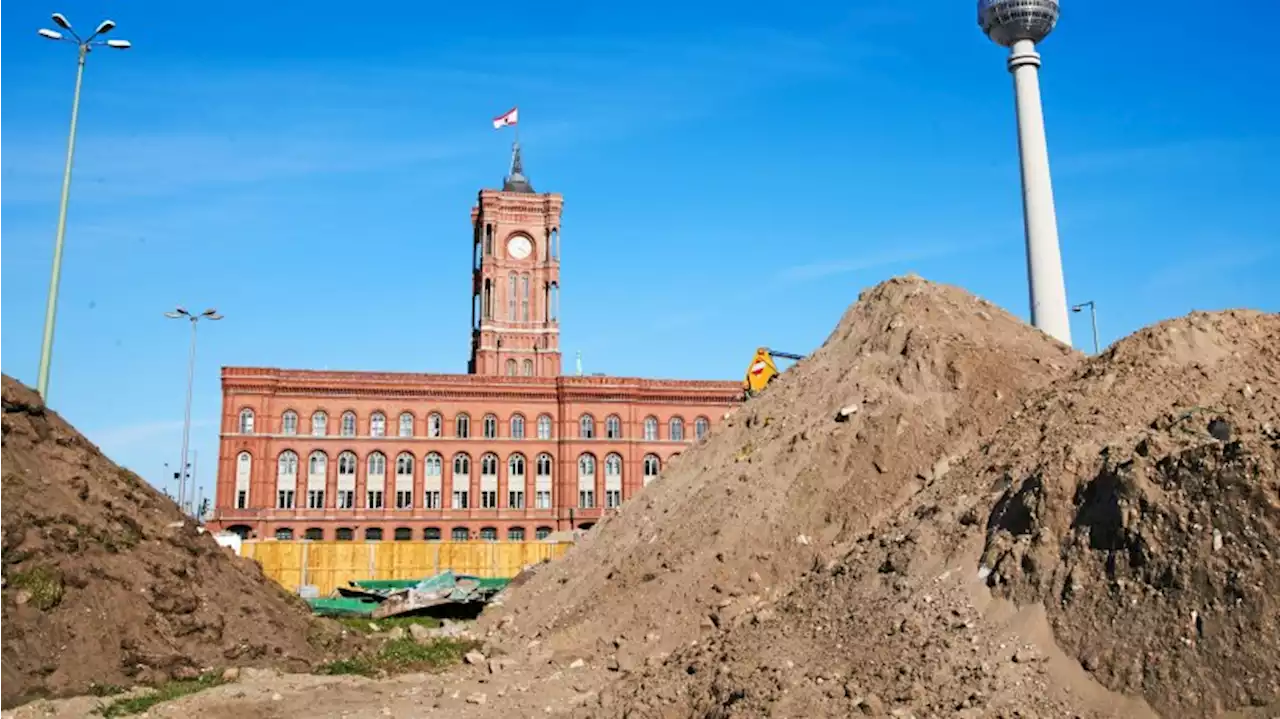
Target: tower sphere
[1008,21]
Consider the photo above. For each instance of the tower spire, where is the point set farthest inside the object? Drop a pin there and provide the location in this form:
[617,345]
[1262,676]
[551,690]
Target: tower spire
[516,181]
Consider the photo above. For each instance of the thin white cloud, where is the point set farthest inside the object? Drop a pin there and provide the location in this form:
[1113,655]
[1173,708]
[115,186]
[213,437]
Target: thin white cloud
[874,260]
[1217,262]
[114,439]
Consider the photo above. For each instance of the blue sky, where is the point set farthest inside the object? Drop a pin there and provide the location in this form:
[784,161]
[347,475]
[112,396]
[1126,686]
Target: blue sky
[734,175]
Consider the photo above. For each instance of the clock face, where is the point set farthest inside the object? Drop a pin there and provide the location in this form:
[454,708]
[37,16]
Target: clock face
[519,247]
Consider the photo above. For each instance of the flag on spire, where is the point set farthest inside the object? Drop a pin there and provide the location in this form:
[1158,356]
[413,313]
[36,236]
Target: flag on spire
[510,117]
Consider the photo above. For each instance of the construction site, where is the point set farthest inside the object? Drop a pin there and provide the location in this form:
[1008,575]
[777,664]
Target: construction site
[940,512]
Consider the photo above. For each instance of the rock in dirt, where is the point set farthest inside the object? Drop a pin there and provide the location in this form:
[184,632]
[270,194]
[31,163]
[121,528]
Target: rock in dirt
[119,588]
[474,658]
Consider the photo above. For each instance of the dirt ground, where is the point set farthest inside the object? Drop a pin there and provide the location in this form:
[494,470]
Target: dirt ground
[105,584]
[940,513]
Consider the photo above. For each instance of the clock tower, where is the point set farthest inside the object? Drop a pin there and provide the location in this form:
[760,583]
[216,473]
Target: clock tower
[515,293]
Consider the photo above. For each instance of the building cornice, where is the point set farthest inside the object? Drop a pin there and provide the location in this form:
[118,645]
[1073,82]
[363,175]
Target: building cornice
[414,385]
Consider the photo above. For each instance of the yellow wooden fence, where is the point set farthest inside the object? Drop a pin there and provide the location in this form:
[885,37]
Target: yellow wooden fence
[327,565]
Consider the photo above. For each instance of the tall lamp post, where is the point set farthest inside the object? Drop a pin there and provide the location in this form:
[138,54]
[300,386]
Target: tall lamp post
[1093,319]
[1019,25]
[178,314]
[84,46]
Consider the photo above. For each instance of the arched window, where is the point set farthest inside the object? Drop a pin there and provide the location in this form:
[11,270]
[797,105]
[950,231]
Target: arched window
[488,534]
[524,297]
[701,426]
[284,534]
[344,534]
[289,423]
[317,477]
[461,481]
[286,479]
[459,534]
[511,297]
[613,481]
[404,481]
[347,480]
[433,471]
[586,427]
[489,481]
[650,429]
[403,534]
[586,481]
[515,534]
[315,534]
[675,429]
[542,482]
[435,425]
[544,427]
[462,426]
[406,424]
[511,368]
[517,426]
[377,425]
[652,466]
[373,534]
[613,427]
[246,421]
[348,428]
[542,533]
[431,534]
[376,481]
[515,481]
[528,368]
[244,478]
[490,426]
[319,424]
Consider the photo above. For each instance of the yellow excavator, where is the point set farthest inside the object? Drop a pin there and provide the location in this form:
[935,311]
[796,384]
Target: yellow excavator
[762,370]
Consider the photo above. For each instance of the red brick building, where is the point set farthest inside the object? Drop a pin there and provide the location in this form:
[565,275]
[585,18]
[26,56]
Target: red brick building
[512,450]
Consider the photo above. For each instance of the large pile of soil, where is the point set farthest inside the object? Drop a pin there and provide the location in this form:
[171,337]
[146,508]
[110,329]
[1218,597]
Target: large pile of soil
[1094,509]
[999,529]
[1143,510]
[106,584]
[911,379]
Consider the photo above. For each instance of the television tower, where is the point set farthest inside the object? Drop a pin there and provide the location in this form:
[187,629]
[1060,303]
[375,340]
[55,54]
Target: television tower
[1019,25]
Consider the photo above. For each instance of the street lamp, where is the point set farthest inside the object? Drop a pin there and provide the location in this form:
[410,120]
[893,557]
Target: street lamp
[84,46]
[178,314]
[1019,25]
[1093,318]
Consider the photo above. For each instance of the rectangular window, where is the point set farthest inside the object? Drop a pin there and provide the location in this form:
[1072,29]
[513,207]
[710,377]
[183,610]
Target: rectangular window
[544,499]
[284,499]
[488,499]
[613,498]
[315,499]
[242,499]
[515,499]
[346,499]
[459,499]
[432,499]
[404,499]
[375,499]
[586,498]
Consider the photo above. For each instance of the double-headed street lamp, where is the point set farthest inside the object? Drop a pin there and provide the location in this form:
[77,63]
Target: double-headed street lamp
[84,46]
[1093,318]
[178,314]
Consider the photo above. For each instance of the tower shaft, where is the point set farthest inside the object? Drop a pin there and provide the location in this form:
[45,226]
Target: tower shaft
[1049,311]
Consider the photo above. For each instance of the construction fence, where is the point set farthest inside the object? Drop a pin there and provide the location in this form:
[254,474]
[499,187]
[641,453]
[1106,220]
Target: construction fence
[328,565]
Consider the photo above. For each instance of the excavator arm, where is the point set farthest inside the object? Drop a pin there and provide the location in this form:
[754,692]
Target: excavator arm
[763,369]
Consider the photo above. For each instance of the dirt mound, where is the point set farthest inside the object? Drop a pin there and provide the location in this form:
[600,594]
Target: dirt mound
[1143,509]
[912,377]
[106,585]
[1119,532]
